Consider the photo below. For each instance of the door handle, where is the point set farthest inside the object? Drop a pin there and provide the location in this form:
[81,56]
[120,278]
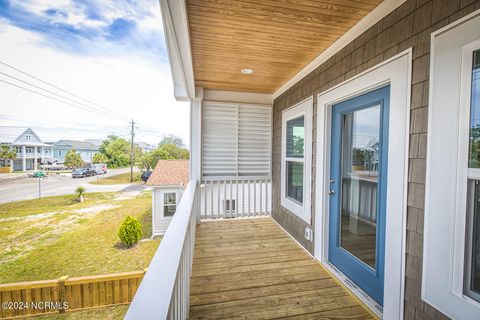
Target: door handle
[331,192]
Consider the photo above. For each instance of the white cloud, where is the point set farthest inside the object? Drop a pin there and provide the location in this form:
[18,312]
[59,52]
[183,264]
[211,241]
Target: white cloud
[129,84]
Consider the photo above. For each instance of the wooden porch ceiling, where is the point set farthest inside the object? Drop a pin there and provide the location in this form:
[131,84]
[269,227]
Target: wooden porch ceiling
[251,269]
[274,38]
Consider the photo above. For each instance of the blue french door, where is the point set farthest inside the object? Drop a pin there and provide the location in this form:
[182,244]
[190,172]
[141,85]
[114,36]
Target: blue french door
[358,179]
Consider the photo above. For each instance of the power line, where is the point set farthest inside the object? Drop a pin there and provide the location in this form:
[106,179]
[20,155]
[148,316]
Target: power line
[110,114]
[50,97]
[63,90]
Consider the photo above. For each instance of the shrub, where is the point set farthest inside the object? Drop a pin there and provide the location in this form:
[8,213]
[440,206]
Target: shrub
[80,191]
[130,231]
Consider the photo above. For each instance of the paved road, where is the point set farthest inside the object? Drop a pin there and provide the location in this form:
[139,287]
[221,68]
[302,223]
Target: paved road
[15,187]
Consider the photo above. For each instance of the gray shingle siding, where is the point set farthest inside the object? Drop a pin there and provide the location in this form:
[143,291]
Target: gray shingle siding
[410,25]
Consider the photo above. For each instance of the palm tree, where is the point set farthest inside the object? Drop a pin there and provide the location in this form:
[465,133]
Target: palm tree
[7,155]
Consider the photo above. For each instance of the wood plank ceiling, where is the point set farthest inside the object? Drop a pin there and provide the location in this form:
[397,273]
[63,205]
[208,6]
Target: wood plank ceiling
[274,38]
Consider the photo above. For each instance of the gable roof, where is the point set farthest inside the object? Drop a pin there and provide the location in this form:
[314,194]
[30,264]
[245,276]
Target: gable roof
[170,173]
[10,134]
[77,144]
[95,142]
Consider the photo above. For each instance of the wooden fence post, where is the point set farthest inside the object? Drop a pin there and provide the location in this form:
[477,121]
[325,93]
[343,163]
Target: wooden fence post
[61,293]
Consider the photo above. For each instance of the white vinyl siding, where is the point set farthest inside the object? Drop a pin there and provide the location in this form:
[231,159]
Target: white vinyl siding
[236,139]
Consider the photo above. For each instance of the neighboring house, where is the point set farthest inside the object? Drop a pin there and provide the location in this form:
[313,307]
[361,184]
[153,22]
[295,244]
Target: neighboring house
[86,149]
[279,92]
[168,180]
[30,149]
[145,146]
[96,142]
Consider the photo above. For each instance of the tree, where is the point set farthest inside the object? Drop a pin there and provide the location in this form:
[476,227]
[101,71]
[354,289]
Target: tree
[6,155]
[73,159]
[116,150]
[167,151]
[172,139]
[172,151]
[100,158]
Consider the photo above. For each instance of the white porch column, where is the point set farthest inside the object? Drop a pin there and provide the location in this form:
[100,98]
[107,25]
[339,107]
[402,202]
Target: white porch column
[24,158]
[196,143]
[35,157]
[43,155]
[196,135]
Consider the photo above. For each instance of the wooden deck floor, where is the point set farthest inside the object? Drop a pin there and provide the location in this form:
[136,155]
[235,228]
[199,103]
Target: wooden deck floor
[251,269]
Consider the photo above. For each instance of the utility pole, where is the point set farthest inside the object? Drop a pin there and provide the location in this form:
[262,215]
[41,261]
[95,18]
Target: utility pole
[132,133]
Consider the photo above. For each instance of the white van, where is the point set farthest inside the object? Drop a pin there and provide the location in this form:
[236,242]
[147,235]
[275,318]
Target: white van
[100,168]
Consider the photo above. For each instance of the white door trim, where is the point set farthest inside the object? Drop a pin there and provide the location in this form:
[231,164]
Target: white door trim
[395,71]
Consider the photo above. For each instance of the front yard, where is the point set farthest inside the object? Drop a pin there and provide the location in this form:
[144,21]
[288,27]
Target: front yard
[52,237]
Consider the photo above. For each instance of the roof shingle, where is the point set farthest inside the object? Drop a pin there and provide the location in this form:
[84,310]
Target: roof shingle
[170,173]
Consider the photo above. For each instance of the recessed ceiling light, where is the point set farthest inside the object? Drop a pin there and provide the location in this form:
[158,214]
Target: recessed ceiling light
[247,71]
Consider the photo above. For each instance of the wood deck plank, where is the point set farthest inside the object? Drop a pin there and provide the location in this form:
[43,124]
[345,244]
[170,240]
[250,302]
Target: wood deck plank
[251,269]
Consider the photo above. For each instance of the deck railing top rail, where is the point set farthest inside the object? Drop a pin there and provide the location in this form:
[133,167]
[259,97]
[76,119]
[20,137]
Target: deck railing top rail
[164,291]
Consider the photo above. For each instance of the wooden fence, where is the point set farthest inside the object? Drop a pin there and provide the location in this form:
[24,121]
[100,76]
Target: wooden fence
[67,294]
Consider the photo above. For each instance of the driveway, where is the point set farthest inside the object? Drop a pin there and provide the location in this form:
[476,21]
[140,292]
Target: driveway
[19,187]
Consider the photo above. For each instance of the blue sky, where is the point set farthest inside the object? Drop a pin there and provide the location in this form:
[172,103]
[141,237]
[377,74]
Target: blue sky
[110,52]
[92,27]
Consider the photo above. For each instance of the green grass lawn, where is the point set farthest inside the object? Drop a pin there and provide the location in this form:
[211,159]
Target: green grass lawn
[106,313]
[119,178]
[51,237]
[50,204]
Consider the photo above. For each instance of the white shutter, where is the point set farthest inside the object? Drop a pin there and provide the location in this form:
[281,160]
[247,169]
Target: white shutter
[219,139]
[254,140]
[236,139]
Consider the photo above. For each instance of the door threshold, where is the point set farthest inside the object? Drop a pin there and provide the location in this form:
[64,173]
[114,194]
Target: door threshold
[355,291]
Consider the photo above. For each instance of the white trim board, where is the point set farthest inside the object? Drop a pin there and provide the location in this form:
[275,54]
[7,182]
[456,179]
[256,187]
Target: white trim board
[303,210]
[377,14]
[447,168]
[177,38]
[395,71]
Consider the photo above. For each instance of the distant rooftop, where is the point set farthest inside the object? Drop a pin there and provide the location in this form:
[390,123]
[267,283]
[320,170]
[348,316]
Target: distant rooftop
[77,144]
[170,173]
[10,134]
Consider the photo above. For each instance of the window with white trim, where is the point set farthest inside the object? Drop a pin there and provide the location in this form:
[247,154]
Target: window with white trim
[169,204]
[236,139]
[451,262]
[296,159]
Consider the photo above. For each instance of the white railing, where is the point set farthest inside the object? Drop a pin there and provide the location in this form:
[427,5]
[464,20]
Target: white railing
[165,290]
[235,197]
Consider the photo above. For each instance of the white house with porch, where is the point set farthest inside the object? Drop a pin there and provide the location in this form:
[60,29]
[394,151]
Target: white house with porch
[30,149]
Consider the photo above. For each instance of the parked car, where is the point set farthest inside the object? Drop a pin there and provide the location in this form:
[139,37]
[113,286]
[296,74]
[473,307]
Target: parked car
[83,172]
[146,175]
[37,174]
[100,168]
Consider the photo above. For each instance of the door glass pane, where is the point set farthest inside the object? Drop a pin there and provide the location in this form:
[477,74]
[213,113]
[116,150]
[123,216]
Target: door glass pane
[295,137]
[360,161]
[295,181]
[475,113]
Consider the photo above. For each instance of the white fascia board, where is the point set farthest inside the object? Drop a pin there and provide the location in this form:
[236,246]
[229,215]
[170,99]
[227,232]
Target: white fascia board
[377,14]
[175,26]
[237,97]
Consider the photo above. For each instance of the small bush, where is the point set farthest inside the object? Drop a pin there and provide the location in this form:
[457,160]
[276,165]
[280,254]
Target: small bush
[80,192]
[130,231]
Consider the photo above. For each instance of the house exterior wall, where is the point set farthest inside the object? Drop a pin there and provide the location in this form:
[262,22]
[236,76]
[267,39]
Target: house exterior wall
[410,25]
[159,222]
[60,152]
